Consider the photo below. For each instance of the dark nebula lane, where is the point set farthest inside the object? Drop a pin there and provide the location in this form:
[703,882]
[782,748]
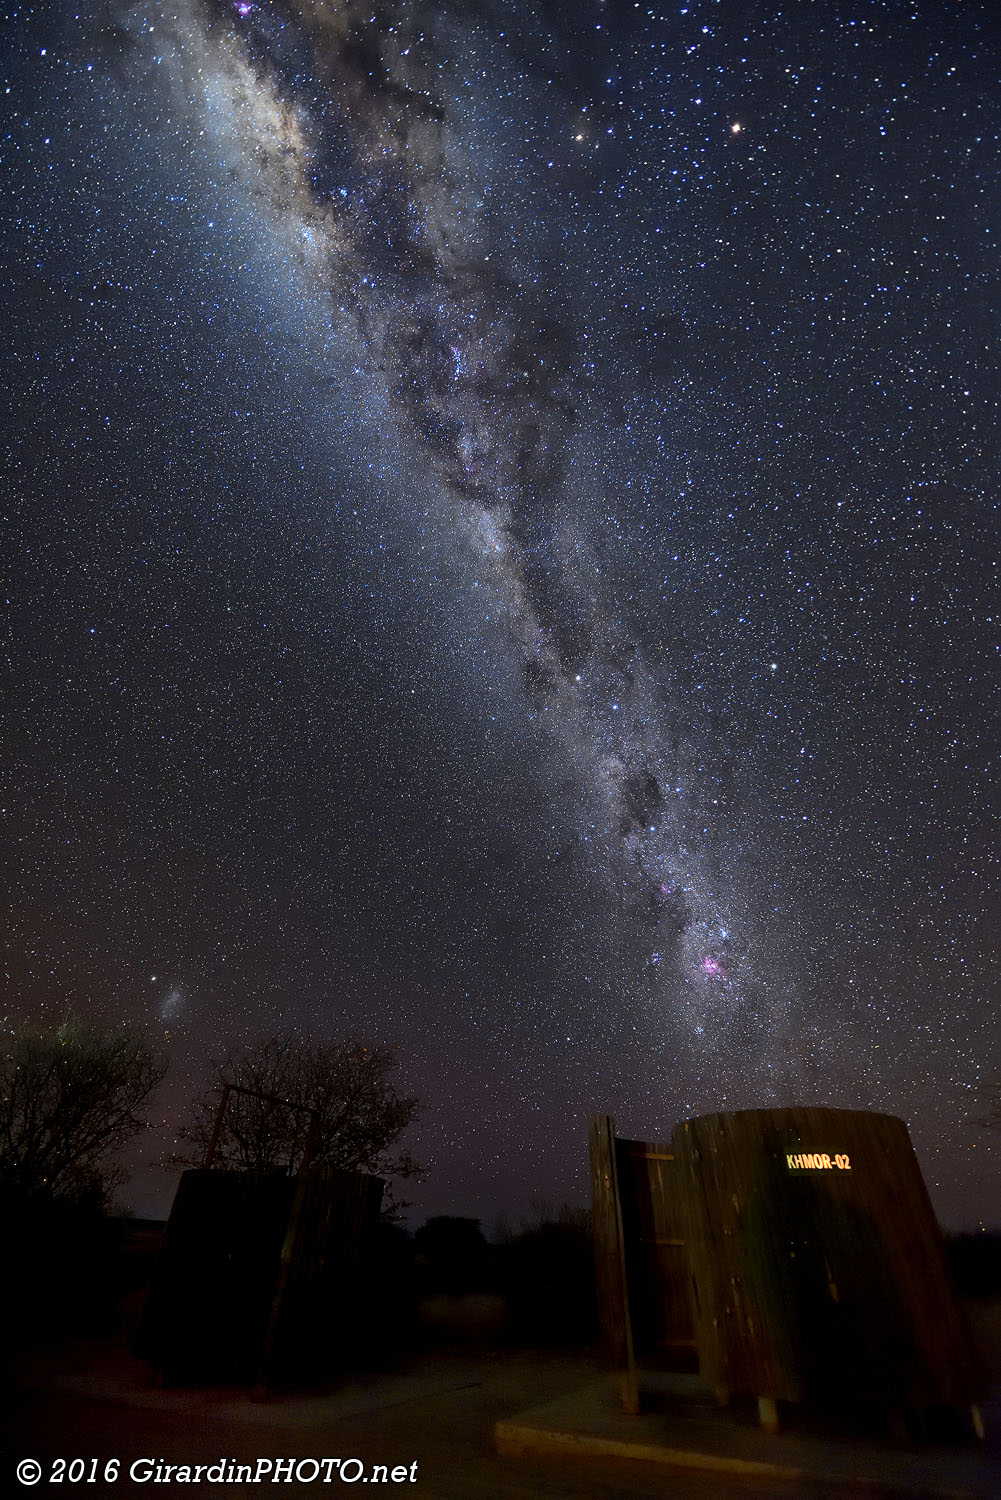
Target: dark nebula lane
[479,351]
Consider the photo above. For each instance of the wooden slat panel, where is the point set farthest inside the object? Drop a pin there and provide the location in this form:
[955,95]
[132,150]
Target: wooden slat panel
[614,1309]
[816,1283]
[317,1313]
[658,1272]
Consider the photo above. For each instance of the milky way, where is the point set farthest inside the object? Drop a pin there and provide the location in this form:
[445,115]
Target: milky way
[353,133]
[507,553]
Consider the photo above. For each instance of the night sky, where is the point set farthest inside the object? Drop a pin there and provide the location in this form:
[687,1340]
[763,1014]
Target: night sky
[501,550]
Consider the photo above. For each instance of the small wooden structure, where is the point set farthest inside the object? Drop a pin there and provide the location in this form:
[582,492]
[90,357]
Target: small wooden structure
[258,1275]
[796,1248]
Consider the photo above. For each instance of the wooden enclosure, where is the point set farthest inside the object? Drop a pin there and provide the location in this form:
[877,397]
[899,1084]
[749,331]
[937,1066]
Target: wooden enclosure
[796,1248]
[258,1275]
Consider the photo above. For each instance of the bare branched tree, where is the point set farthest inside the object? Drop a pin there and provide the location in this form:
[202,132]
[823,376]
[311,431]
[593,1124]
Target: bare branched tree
[70,1099]
[285,1095]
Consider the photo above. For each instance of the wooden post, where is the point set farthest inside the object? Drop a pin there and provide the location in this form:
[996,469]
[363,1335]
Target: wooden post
[610,1255]
[217,1127]
[768,1414]
[312,1140]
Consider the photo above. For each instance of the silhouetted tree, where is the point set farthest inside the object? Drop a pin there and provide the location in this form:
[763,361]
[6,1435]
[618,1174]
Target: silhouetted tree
[546,1271]
[974,1262]
[336,1099]
[70,1099]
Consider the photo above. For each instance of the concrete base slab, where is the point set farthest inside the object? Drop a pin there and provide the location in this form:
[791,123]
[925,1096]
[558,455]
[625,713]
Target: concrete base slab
[591,1422]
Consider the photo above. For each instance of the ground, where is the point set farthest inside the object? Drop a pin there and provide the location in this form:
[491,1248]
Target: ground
[438,1408]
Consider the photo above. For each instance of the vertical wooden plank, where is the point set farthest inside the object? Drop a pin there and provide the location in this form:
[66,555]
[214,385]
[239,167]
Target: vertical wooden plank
[610,1258]
[270,1342]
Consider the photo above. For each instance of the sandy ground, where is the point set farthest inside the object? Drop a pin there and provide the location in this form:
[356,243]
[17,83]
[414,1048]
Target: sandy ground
[436,1409]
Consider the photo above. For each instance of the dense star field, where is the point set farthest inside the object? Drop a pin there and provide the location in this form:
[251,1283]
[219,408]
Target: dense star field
[503,555]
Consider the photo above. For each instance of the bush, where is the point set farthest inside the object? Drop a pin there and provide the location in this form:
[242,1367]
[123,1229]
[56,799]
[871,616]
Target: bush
[547,1274]
[974,1262]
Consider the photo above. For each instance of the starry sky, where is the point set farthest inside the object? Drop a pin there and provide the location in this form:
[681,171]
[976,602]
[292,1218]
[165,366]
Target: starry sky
[501,551]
